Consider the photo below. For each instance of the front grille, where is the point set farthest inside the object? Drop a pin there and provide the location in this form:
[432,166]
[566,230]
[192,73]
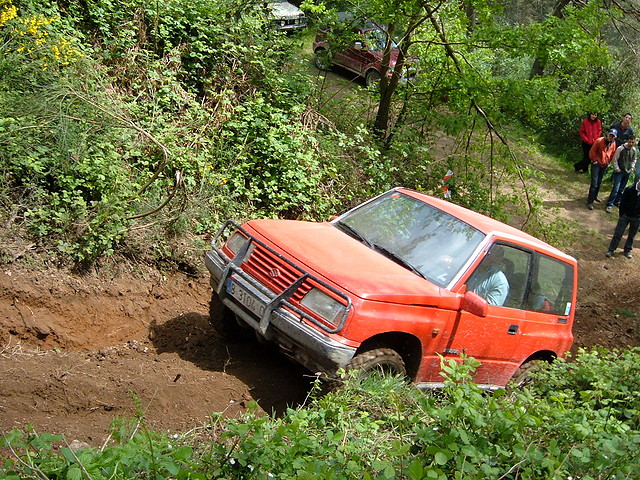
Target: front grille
[272,272]
[290,22]
[270,269]
[277,274]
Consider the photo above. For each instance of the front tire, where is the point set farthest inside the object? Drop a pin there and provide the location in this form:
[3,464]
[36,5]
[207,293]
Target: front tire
[372,78]
[224,320]
[321,59]
[385,361]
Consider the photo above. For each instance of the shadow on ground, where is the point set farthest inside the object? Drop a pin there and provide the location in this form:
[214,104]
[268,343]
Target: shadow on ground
[275,382]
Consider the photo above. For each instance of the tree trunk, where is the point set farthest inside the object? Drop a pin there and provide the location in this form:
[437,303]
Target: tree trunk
[470,12]
[381,125]
[537,69]
[388,85]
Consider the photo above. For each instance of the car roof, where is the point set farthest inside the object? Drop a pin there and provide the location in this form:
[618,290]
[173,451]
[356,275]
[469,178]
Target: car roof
[487,225]
[363,23]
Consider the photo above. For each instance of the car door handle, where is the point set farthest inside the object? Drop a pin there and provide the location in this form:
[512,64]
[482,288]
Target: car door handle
[513,329]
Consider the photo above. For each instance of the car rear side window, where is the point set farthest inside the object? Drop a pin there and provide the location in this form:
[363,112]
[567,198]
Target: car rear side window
[551,289]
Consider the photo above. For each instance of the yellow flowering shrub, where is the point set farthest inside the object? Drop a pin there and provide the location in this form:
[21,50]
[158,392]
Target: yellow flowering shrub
[32,36]
[7,12]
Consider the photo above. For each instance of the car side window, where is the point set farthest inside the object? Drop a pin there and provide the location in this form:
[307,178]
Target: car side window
[518,267]
[501,276]
[551,289]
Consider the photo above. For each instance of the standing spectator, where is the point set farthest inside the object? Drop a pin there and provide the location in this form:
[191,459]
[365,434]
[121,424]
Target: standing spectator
[624,129]
[624,163]
[590,130]
[600,155]
[629,215]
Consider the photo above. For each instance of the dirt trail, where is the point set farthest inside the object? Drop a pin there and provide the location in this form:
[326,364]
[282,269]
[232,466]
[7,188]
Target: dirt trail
[78,352]
[75,352]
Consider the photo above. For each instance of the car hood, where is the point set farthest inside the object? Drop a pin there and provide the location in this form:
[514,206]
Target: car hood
[326,251]
[285,9]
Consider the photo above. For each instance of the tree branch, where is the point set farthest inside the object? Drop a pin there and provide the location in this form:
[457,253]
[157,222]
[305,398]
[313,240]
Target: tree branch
[494,131]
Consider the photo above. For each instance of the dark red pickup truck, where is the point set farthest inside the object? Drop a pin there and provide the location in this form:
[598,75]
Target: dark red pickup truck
[363,55]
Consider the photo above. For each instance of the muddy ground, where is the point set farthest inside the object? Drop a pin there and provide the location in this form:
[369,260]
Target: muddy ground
[77,352]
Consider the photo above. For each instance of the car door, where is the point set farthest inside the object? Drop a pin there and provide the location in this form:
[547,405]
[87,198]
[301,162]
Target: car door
[355,56]
[493,339]
[549,303]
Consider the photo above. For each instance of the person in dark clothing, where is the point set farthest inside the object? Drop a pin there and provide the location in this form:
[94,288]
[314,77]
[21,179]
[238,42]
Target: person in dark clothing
[629,215]
[624,129]
[624,164]
[590,130]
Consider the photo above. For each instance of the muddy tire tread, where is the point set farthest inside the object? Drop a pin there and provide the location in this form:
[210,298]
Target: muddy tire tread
[368,360]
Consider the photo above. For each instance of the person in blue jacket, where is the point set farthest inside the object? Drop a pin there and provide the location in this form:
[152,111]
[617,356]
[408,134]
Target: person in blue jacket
[489,280]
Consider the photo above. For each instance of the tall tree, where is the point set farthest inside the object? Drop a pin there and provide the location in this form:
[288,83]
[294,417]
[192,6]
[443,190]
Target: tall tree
[471,55]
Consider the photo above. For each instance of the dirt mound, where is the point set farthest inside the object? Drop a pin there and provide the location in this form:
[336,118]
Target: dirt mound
[78,352]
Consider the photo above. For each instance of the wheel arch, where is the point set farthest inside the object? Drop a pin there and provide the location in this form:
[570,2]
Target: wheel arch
[521,376]
[371,70]
[544,355]
[406,345]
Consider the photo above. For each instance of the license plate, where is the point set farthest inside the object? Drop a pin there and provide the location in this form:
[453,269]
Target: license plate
[245,298]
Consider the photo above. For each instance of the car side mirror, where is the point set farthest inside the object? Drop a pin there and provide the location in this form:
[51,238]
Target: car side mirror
[475,304]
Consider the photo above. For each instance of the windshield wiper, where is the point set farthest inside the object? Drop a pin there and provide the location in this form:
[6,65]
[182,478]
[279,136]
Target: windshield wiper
[399,260]
[349,230]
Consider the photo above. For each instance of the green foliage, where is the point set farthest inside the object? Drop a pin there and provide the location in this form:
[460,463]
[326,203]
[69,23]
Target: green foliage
[497,69]
[268,161]
[142,454]
[126,124]
[85,161]
[579,419]
[614,396]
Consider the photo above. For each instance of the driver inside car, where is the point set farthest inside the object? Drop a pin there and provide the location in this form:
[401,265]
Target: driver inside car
[489,280]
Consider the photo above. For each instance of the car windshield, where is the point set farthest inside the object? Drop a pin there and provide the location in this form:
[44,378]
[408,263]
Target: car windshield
[377,40]
[416,235]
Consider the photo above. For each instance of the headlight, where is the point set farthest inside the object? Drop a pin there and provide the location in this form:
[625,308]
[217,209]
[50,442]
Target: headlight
[323,305]
[235,242]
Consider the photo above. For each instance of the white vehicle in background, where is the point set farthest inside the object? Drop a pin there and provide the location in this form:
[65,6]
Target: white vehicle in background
[286,16]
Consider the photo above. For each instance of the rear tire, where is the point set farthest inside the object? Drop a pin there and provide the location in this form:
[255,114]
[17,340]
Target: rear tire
[385,361]
[522,377]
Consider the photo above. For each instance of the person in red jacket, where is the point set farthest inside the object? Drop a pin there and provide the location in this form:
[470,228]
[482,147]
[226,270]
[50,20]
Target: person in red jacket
[590,130]
[601,154]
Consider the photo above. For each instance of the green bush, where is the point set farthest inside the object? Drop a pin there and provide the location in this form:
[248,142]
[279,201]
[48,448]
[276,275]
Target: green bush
[163,145]
[578,420]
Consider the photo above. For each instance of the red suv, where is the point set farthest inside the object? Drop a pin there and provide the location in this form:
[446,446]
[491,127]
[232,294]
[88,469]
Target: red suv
[363,53]
[396,283]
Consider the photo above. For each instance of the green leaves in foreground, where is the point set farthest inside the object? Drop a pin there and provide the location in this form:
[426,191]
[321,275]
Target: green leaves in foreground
[142,455]
[580,419]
